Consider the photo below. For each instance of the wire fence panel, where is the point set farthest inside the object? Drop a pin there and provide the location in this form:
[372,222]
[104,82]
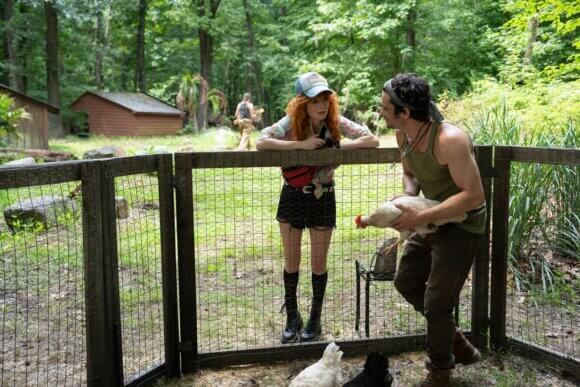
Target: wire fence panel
[42,301]
[139,273]
[543,282]
[240,257]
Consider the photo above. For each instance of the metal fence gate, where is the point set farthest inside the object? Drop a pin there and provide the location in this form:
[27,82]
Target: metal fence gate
[150,266]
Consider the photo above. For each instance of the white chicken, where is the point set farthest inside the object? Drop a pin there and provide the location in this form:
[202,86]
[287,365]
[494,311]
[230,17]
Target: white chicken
[387,212]
[324,373]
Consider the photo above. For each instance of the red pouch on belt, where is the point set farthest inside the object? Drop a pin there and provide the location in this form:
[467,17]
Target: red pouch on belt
[298,177]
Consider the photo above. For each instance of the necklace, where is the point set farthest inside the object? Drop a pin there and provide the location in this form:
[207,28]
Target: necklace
[408,146]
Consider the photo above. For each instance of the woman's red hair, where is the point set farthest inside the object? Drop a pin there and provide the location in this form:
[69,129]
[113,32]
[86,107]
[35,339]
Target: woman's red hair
[299,123]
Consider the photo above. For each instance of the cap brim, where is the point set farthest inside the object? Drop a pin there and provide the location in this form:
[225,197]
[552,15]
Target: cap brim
[313,92]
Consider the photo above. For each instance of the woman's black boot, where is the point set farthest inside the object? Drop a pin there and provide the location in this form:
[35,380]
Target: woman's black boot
[313,326]
[293,320]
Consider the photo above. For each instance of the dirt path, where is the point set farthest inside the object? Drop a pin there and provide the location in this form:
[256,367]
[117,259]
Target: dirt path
[494,370]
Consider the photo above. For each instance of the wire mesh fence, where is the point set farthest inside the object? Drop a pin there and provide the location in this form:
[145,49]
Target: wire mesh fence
[139,272]
[240,258]
[42,300]
[543,281]
[57,250]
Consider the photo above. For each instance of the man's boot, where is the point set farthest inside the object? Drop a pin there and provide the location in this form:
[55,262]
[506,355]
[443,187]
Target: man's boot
[437,378]
[463,351]
[293,320]
[313,326]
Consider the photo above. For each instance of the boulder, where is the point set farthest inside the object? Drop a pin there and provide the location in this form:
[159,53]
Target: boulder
[45,210]
[154,150]
[121,207]
[104,152]
[19,163]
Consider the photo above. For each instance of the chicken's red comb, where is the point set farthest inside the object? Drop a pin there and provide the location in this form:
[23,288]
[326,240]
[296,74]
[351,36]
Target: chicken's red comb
[358,221]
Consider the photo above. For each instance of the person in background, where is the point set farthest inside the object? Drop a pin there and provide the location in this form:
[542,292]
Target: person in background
[307,199]
[438,160]
[244,116]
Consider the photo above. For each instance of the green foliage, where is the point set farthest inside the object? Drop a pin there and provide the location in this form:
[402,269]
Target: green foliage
[357,45]
[555,50]
[544,199]
[189,97]
[542,107]
[9,117]
[218,103]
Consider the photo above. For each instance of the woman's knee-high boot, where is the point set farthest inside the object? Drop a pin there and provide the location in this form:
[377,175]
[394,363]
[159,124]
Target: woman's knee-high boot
[293,320]
[314,327]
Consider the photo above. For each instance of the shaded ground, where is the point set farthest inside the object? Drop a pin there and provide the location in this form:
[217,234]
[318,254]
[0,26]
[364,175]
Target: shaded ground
[494,370]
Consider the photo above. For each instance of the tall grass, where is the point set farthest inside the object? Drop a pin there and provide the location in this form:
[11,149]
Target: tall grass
[544,200]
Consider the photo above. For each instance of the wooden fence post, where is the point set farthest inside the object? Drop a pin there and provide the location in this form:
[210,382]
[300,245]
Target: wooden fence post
[501,192]
[186,254]
[104,361]
[480,281]
[168,266]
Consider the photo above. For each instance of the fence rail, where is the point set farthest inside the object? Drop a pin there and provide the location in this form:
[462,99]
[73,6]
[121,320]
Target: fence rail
[117,287]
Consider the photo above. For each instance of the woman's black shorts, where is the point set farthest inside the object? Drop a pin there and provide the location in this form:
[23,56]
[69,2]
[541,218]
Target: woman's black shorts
[302,209]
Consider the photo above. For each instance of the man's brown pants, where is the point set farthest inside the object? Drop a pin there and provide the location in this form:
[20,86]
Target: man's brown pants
[246,127]
[430,276]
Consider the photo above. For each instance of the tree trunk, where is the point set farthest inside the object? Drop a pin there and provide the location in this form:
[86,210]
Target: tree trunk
[125,72]
[100,47]
[141,83]
[249,52]
[4,53]
[52,79]
[254,77]
[205,54]
[14,69]
[532,36]
[395,60]
[411,41]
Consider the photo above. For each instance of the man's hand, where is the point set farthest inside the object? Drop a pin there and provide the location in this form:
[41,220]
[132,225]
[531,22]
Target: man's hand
[311,143]
[408,220]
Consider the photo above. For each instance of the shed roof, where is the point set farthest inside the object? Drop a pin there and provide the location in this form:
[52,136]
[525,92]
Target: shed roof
[138,103]
[51,108]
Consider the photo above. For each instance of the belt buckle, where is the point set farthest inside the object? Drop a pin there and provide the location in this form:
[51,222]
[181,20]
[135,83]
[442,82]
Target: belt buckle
[318,190]
[307,189]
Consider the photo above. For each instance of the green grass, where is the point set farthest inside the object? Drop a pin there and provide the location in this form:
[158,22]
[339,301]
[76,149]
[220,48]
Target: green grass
[133,145]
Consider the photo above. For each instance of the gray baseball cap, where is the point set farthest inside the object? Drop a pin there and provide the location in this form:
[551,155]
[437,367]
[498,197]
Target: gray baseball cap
[311,84]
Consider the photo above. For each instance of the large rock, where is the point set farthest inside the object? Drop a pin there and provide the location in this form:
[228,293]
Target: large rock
[104,152]
[19,163]
[121,207]
[154,150]
[45,210]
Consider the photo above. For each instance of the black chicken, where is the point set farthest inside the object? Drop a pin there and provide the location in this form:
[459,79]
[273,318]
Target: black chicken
[375,374]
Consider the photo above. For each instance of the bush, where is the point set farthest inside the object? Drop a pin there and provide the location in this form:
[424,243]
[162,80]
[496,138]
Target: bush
[544,199]
[543,107]
[9,117]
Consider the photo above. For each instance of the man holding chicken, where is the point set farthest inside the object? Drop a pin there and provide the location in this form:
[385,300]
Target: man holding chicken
[438,160]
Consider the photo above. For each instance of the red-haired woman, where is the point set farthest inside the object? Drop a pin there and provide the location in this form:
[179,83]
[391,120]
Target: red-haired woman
[313,121]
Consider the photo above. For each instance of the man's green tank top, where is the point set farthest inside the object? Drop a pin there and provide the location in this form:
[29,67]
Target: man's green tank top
[436,182]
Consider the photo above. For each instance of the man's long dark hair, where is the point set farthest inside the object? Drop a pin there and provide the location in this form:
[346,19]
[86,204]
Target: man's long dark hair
[413,91]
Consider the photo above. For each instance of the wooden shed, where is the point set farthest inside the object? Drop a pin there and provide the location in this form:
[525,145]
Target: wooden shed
[34,131]
[128,114]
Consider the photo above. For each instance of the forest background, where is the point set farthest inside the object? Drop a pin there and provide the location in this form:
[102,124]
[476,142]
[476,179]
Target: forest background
[524,52]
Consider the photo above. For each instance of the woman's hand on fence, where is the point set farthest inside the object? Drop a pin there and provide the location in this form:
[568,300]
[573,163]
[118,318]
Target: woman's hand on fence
[311,143]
